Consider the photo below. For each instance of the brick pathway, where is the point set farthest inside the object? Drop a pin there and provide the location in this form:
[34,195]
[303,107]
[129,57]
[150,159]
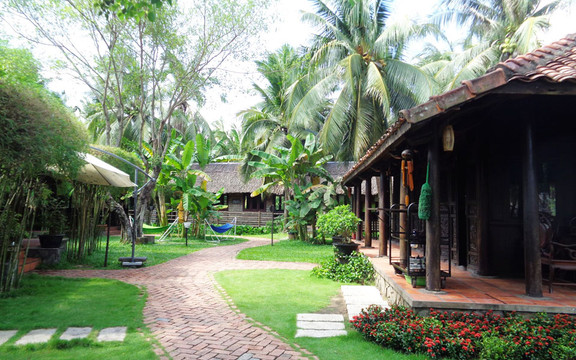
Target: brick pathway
[187,314]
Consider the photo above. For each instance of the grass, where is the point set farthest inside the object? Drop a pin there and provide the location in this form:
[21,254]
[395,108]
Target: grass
[274,297]
[288,250]
[277,236]
[156,253]
[55,302]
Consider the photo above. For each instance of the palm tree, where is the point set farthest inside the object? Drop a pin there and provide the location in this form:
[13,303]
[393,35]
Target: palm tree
[266,125]
[359,62]
[497,30]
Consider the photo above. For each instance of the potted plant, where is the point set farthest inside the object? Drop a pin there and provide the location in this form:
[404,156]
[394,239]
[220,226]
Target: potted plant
[339,223]
[52,218]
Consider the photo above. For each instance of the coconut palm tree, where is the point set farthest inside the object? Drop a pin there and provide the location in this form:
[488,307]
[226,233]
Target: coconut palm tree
[266,125]
[497,30]
[359,59]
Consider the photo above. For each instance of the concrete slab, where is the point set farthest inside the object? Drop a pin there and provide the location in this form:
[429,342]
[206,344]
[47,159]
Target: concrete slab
[320,317]
[37,336]
[76,333]
[320,325]
[135,264]
[360,290]
[363,300]
[112,334]
[320,333]
[6,335]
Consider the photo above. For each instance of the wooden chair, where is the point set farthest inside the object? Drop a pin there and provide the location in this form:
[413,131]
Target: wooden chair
[557,255]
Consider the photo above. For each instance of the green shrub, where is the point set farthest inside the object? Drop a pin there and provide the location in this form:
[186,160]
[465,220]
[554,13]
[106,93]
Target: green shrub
[339,221]
[257,230]
[357,269]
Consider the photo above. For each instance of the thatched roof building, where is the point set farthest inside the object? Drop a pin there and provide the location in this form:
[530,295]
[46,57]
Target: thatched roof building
[227,176]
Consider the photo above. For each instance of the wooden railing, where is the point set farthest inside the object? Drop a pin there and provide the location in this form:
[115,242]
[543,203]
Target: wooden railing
[252,218]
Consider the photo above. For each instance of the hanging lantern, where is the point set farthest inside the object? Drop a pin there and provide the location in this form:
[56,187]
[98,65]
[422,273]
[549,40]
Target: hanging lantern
[448,138]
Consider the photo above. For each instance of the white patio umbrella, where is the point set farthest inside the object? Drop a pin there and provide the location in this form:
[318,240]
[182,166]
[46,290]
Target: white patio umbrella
[99,172]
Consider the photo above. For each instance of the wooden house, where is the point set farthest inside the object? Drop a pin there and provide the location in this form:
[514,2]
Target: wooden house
[500,150]
[250,210]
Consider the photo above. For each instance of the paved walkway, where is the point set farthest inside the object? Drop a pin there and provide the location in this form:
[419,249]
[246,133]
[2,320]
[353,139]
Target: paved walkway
[187,314]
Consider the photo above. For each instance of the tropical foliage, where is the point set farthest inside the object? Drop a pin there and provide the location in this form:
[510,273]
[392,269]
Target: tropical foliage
[497,30]
[293,168]
[38,135]
[359,56]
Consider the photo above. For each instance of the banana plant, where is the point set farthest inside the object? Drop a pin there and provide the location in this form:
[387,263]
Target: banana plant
[195,199]
[293,168]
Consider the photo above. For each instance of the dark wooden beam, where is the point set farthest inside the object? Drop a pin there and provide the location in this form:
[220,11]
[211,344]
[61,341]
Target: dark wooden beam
[358,208]
[433,281]
[532,261]
[367,214]
[383,203]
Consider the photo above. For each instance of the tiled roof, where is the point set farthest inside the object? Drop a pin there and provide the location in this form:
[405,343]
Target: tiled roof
[555,63]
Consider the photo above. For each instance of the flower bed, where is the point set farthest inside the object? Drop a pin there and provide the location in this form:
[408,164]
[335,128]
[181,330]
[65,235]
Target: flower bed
[469,335]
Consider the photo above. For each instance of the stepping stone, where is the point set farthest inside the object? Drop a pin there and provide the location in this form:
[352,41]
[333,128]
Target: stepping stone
[320,317]
[5,335]
[360,297]
[320,333]
[112,334]
[362,300]
[37,336]
[360,290]
[76,333]
[320,325]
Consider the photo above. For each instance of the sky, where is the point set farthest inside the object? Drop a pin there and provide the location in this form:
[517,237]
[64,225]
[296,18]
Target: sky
[286,28]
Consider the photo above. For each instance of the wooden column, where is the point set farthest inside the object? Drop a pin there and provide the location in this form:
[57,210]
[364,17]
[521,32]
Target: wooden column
[367,215]
[433,282]
[532,261]
[403,219]
[383,203]
[357,208]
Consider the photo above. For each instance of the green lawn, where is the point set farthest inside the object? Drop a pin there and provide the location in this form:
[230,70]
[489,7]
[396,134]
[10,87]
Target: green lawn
[157,253]
[54,302]
[274,297]
[288,250]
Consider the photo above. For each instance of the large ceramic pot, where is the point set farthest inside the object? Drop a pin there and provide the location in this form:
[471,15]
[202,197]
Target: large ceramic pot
[337,239]
[51,241]
[345,249]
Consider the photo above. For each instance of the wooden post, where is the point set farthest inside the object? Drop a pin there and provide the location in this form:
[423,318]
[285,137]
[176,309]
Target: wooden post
[532,261]
[433,248]
[367,215]
[357,208]
[403,219]
[383,198]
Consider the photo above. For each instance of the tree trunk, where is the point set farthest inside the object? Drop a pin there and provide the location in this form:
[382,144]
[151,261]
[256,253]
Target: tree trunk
[144,198]
[161,206]
[124,221]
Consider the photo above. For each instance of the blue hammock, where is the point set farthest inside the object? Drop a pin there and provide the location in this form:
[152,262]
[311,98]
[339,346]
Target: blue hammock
[218,231]
[222,229]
